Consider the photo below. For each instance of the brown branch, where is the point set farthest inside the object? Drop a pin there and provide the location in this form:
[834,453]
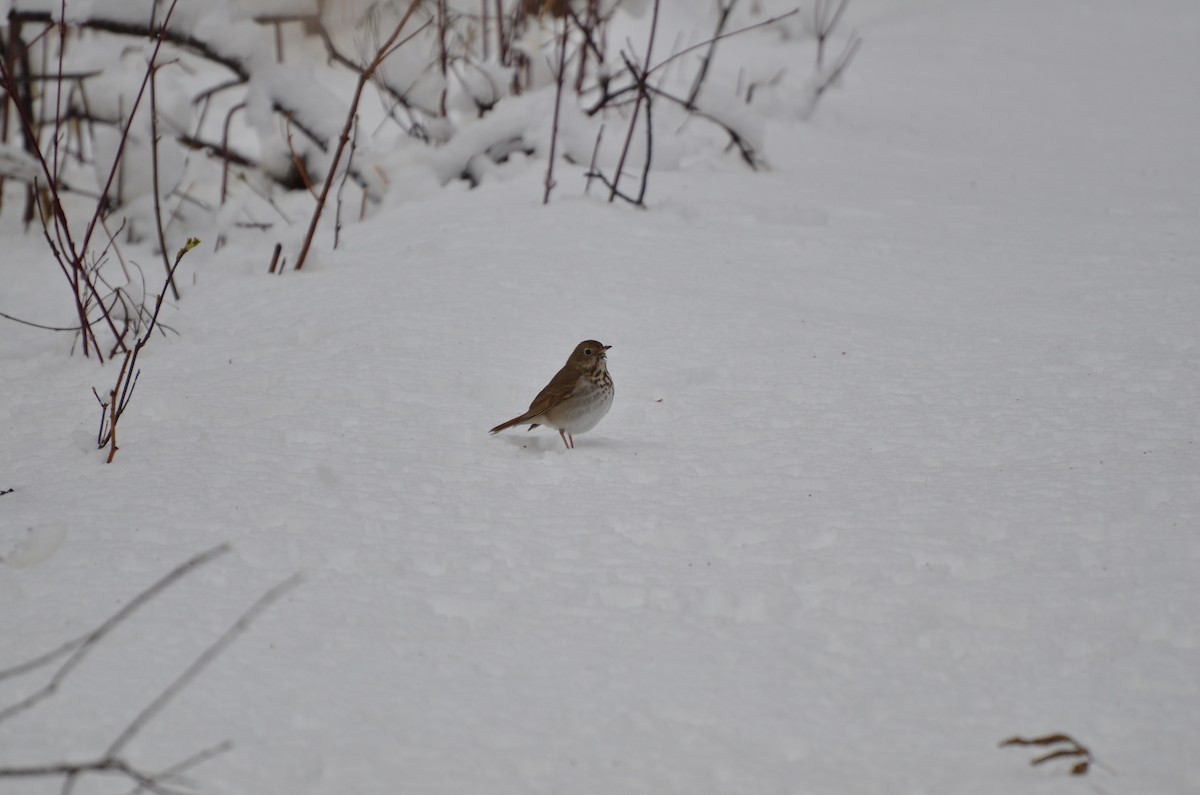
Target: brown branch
[559,79]
[387,48]
[221,151]
[1074,750]
[275,257]
[641,97]
[129,374]
[184,41]
[641,197]
[301,169]
[69,255]
[337,216]
[400,97]
[225,150]
[158,221]
[592,166]
[146,30]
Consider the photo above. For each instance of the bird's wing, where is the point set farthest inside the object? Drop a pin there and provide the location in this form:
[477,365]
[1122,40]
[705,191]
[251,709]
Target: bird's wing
[561,387]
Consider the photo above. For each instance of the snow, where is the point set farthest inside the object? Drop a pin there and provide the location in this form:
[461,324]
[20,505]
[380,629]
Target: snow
[17,163]
[903,459]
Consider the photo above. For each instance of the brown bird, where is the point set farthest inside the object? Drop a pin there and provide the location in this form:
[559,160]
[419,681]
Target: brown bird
[576,398]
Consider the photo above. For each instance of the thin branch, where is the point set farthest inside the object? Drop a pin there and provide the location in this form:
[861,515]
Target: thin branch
[724,10]
[72,770]
[200,663]
[737,32]
[38,325]
[195,760]
[592,166]
[159,39]
[111,762]
[606,182]
[1073,750]
[129,374]
[78,649]
[337,216]
[743,146]
[559,79]
[824,23]
[387,48]
[641,97]
[641,197]
[154,178]
[834,74]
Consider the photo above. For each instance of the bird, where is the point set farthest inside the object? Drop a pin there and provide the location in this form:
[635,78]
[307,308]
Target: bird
[576,398]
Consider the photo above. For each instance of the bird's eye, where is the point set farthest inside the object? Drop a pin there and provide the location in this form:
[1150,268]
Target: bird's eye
[587,351]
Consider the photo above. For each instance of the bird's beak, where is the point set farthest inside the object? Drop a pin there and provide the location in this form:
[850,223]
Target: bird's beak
[606,347]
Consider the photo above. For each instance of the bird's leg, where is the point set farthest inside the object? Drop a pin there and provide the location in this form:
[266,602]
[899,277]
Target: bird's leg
[563,435]
[572,441]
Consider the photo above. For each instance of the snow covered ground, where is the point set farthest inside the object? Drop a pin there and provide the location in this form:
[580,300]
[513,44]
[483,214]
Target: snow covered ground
[903,461]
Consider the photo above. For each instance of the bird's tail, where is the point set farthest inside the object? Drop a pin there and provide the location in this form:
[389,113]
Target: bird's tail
[514,421]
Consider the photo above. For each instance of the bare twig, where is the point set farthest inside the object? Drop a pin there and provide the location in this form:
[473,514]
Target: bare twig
[749,155]
[298,163]
[195,760]
[112,762]
[737,32]
[606,182]
[225,151]
[443,22]
[641,197]
[1072,750]
[275,257]
[200,663]
[828,77]
[70,771]
[723,12]
[38,325]
[591,174]
[124,139]
[337,216]
[77,650]
[127,378]
[559,79]
[642,96]
[826,17]
[386,49]
[158,221]
[69,254]
[607,96]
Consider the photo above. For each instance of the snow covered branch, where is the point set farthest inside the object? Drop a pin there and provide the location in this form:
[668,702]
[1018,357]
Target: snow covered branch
[233,125]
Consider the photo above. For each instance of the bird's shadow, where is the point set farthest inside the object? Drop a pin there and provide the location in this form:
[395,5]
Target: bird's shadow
[548,444]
